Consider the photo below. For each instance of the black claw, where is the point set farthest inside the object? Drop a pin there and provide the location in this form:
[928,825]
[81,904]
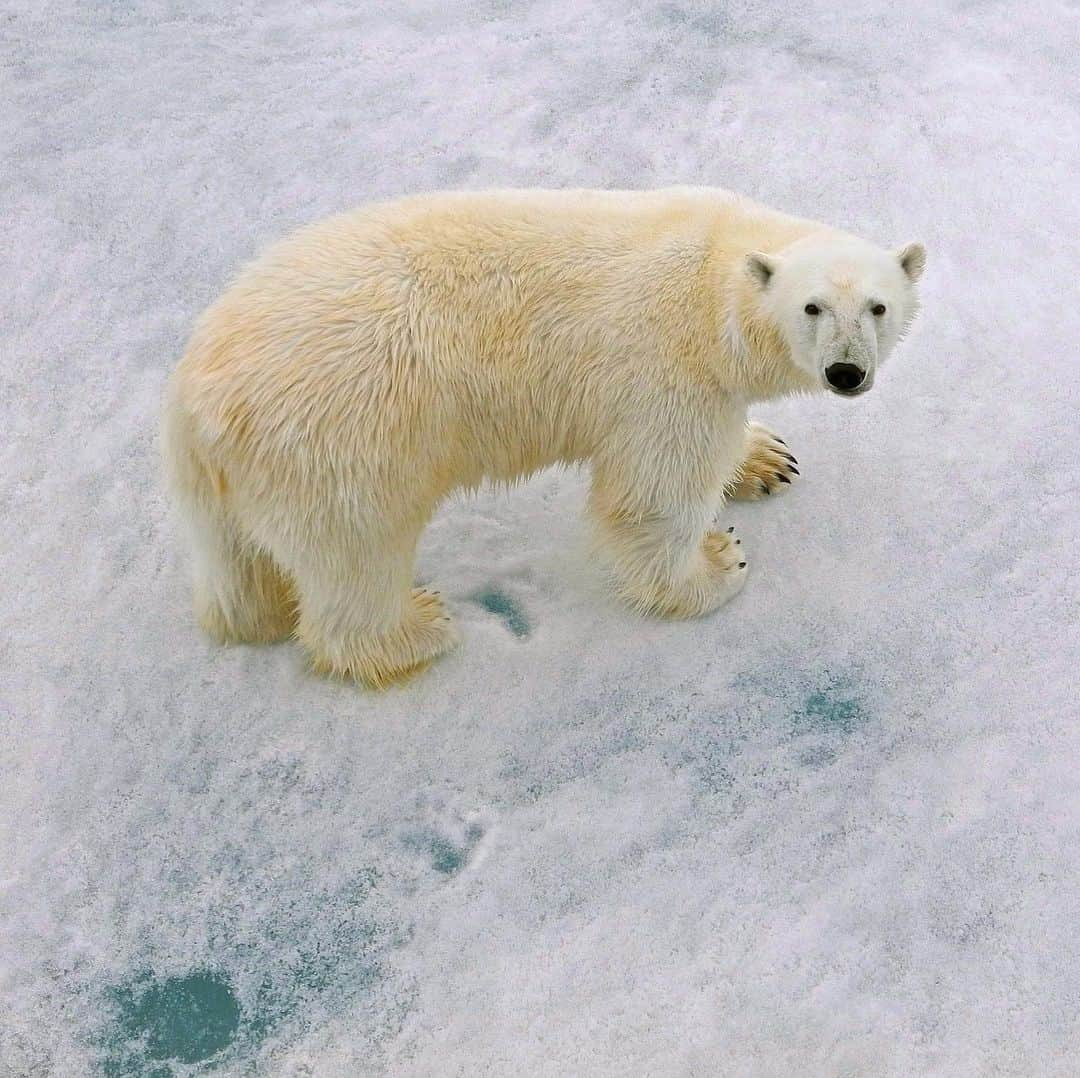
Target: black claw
[789,457]
[742,565]
[780,440]
[796,471]
[764,488]
[783,478]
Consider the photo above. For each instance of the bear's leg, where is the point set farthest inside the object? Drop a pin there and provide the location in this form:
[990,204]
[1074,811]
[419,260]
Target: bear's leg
[360,616]
[656,537]
[767,466]
[240,593]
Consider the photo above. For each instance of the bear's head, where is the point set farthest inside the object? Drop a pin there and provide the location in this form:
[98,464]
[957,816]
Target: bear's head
[840,304]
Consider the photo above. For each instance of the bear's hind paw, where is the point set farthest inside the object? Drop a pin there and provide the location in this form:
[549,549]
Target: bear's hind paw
[379,661]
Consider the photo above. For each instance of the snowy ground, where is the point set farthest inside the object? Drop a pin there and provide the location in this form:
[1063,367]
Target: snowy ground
[832,830]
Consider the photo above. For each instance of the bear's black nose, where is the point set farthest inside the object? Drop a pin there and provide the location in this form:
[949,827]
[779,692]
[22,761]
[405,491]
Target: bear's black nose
[844,377]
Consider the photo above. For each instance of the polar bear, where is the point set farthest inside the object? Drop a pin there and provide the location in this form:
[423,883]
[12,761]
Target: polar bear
[369,365]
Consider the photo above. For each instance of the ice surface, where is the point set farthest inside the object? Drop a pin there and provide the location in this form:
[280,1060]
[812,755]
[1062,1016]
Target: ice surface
[834,829]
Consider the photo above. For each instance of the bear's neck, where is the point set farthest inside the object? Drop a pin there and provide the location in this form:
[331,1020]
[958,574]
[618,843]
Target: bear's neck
[754,346]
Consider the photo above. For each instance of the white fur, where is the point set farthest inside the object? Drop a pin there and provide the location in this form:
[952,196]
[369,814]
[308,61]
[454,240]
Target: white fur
[370,364]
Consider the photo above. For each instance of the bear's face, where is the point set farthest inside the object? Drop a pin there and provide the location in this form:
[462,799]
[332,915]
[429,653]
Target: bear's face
[840,305]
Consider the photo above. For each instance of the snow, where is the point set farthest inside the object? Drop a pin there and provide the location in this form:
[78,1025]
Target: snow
[833,829]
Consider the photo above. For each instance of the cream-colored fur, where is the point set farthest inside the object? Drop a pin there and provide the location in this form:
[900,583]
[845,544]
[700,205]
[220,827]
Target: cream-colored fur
[370,364]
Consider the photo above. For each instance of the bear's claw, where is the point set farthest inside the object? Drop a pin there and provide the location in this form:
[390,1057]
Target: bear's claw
[766,469]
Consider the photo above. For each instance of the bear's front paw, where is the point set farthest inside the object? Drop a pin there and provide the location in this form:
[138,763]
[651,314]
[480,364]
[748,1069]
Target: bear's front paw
[718,577]
[767,468]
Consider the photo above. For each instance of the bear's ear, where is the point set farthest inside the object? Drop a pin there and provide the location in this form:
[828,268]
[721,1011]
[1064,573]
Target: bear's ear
[912,258]
[761,267]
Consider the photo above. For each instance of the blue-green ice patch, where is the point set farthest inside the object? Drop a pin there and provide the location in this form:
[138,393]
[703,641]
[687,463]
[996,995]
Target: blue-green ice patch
[444,854]
[302,964]
[501,605]
[804,717]
[833,707]
[181,1019]
[827,714]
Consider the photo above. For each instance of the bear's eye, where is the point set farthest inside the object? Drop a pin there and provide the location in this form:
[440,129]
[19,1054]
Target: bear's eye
[878,309]
[812,309]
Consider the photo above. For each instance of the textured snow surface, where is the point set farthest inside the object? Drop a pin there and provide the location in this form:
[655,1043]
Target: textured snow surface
[834,829]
